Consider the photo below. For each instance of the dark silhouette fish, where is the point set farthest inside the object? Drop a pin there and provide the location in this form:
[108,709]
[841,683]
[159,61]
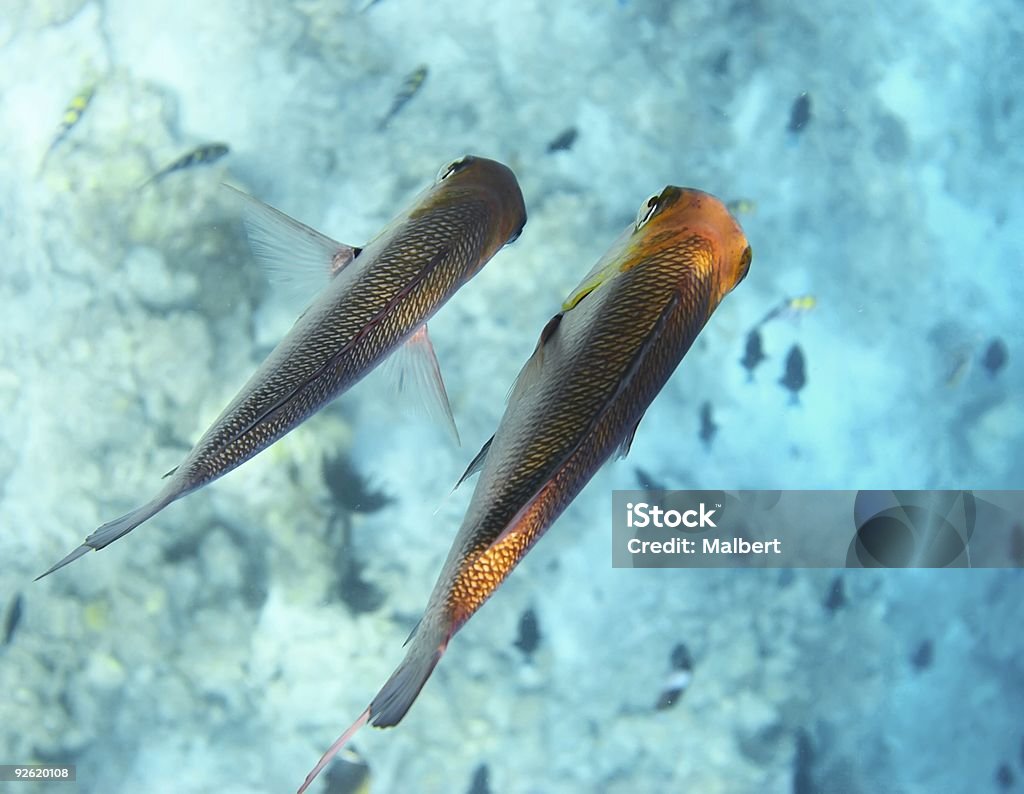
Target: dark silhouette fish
[379,298]
[799,114]
[579,399]
[563,141]
[753,353]
[795,376]
[708,428]
[996,356]
[13,619]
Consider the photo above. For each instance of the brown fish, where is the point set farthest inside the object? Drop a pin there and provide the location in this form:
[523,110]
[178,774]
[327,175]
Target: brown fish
[378,299]
[597,367]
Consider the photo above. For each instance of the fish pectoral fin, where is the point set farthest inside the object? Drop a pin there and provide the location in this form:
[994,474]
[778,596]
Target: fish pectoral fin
[476,464]
[530,374]
[416,377]
[293,255]
[606,268]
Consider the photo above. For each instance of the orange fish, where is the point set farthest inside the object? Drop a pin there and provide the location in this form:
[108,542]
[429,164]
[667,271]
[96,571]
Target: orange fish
[598,365]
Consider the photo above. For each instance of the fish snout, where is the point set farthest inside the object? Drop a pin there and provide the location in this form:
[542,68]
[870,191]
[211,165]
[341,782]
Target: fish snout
[496,185]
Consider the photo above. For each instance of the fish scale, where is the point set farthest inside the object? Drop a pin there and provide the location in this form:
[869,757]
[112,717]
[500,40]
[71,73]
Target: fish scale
[545,459]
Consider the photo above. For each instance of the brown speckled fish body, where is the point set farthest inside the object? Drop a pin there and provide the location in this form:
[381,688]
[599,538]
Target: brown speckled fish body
[599,364]
[603,359]
[374,304]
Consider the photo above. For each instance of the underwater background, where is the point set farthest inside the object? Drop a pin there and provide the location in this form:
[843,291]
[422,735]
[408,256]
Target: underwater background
[872,152]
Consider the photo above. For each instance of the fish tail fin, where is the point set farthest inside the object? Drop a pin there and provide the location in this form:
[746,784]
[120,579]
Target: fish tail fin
[396,696]
[333,750]
[115,529]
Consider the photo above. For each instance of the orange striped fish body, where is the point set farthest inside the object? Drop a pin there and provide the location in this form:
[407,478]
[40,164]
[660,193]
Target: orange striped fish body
[597,367]
[373,304]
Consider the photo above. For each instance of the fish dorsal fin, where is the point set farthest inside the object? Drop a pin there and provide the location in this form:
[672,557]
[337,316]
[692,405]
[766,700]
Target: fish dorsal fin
[476,464]
[607,268]
[293,255]
[531,371]
[416,378]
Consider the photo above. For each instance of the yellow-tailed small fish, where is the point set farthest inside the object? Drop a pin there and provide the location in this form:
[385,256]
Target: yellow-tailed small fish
[410,87]
[791,307]
[598,365]
[201,155]
[377,301]
[72,115]
[741,206]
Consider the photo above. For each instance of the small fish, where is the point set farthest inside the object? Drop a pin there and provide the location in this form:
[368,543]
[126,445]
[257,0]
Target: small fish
[410,87]
[753,353]
[708,428]
[598,365]
[678,678]
[924,653]
[1004,776]
[791,307]
[795,376]
[741,206]
[804,759]
[201,155]
[72,115]
[996,356]
[563,141]
[799,113]
[528,639]
[377,301]
[350,774]
[481,782]
[835,599]
[13,619]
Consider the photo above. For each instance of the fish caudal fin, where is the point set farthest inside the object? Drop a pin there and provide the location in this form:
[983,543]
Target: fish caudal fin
[396,696]
[113,530]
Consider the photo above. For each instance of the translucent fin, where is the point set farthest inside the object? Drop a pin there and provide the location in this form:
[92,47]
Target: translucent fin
[627,442]
[531,371]
[334,749]
[293,255]
[476,464]
[416,375]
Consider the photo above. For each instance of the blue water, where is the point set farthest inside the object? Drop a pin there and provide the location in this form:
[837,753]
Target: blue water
[210,650]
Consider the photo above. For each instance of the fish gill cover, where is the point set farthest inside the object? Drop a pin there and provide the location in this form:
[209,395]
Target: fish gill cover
[219,652]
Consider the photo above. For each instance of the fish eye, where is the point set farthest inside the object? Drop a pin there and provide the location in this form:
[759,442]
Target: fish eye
[453,167]
[647,210]
[745,259]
